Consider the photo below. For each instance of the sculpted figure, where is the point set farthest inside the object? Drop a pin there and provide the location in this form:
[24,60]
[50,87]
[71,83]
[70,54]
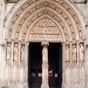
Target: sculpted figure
[81,51]
[67,53]
[16,52]
[44,54]
[8,51]
[74,53]
[22,53]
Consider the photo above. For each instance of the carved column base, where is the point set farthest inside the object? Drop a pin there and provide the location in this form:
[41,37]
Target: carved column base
[44,86]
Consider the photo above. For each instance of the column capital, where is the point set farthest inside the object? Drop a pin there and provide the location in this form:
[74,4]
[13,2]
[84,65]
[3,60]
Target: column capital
[45,43]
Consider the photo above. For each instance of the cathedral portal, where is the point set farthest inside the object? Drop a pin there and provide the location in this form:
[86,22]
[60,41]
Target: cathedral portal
[51,28]
[54,65]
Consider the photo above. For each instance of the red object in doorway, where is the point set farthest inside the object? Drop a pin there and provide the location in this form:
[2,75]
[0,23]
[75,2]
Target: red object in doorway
[50,73]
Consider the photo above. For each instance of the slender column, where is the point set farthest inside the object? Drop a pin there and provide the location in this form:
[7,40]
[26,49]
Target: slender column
[45,45]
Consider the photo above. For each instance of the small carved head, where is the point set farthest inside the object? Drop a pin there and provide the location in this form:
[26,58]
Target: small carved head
[81,44]
[8,44]
[23,45]
[67,46]
[74,45]
[16,44]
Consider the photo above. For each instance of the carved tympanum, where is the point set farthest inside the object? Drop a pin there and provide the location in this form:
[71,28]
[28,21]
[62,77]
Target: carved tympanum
[45,29]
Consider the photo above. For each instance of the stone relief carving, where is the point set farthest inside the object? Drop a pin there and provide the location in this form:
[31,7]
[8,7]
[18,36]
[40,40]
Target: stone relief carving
[67,53]
[8,51]
[45,29]
[22,55]
[44,54]
[73,36]
[8,59]
[15,53]
[74,53]
[49,13]
[51,5]
[46,26]
[80,35]
[81,53]
[67,56]
[45,37]
[45,65]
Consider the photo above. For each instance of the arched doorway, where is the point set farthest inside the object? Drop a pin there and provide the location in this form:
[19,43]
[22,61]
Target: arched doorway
[54,21]
[54,65]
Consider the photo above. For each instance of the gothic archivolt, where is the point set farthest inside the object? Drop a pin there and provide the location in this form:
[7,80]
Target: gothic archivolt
[61,17]
[60,11]
[51,20]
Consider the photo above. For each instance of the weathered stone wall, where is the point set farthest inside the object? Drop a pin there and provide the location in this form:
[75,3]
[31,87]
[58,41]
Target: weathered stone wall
[83,9]
[2,55]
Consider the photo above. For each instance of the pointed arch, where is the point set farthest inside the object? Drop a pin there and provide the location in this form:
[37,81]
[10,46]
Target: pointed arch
[62,11]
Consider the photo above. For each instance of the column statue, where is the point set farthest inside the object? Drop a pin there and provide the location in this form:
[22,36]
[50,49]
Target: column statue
[15,52]
[74,53]
[22,53]
[8,54]
[81,63]
[67,53]
[8,51]
[81,51]
[81,54]
[45,65]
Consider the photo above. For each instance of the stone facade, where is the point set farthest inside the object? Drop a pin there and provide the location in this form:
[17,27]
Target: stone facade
[43,21]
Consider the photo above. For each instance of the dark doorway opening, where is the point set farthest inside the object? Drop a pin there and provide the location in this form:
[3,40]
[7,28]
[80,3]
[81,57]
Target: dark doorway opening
[35,65]
[55,65]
